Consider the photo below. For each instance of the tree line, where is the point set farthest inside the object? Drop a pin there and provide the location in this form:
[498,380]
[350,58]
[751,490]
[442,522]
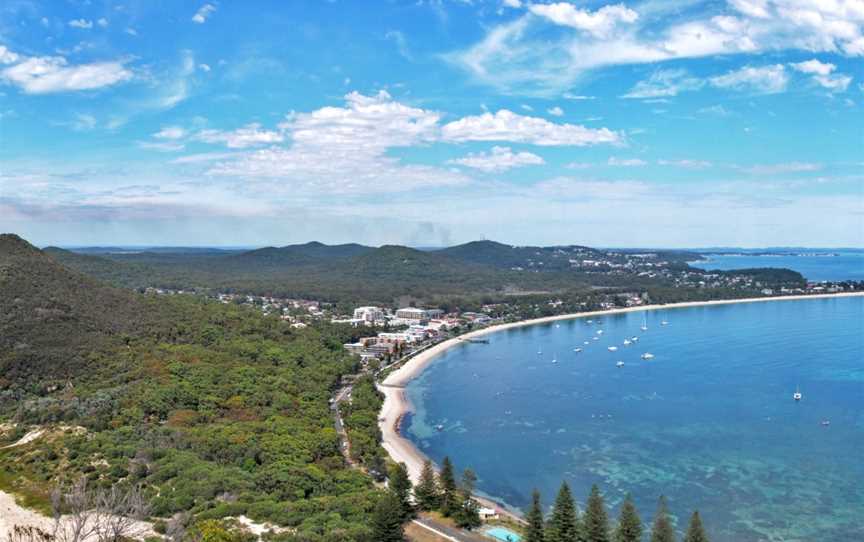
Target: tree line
[442,493]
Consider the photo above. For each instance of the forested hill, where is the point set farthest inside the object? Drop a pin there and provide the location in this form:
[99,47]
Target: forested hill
[216,409]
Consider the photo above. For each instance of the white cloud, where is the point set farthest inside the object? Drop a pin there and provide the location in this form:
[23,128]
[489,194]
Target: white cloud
[162,146]
[626,162]
[522,57]
[686,164]
[508,126]
[814,67]
[555,111]
[570,96]
[499,159]
[204,67]
[665,83]
[103,22]
[203,13]
[81,23]
[131,31]
[170,132]
[764,79]
[788,167]
[344,150]
[7,56]
[600,23]
[716,110]
[250,135]
[45,75]
[823,74]
[401,43]
[512,3]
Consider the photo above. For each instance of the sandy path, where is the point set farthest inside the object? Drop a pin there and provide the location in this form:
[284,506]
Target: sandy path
[397,405]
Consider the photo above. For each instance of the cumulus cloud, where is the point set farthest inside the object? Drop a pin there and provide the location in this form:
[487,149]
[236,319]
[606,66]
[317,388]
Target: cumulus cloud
[555,111]
[499,159]
[83,24]
[626,162]
[664,84]
[686,164]
[506,125]
[521,57]
[823,74]
[203,13]
[170,132]
[600,23]
[250,135]
[764,79]
[52,74]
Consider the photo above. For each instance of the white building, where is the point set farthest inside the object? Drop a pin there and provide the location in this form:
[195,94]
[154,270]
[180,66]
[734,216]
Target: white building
[369,314]
[413,313]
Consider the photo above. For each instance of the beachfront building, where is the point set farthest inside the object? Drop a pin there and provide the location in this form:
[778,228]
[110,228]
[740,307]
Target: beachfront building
[414,315]
[370,314]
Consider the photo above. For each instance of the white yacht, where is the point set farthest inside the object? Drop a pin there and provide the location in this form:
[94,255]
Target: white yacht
[612,348]
[577,349]
[626,342]
[664,323]
[555,359]
[644,322]
[797,395]
[599,332]
[619,364]
[647,355]
[634,339]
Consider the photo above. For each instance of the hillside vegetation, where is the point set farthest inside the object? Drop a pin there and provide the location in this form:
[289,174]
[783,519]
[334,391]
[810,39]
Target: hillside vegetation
[215,409]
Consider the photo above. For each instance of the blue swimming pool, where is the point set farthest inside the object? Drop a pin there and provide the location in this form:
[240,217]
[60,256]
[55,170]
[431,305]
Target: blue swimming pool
[505,535]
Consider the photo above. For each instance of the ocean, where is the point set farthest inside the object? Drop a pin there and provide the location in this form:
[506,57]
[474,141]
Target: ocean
[710,421]
[840,266]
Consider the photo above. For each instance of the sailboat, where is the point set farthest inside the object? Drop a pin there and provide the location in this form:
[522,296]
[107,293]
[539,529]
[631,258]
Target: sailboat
[539,351]
[797,395]
[555,358]
[620,364]
[612,348]
[647,355]
[626,342]
[644,322]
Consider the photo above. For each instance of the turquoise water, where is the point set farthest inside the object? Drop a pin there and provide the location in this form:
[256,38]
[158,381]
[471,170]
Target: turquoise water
[710,421]
[505,535]
[843,266]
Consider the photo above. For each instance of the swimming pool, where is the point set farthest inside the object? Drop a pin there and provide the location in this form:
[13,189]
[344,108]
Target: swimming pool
[505,535]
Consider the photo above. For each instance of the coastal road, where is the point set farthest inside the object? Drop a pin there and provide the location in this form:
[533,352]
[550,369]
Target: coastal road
[343,394]
[446,532]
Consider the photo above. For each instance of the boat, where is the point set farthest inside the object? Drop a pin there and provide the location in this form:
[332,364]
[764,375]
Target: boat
[826,423]
[577,349]
[599,332]
[439,427]
[647,355]
[612,348]
[555,359]
[596,338]
[634,339]
[586,342]
[590,321]
[797,395]
[620,364]
[539,351]
[664,323]
[644,322]
[626,342]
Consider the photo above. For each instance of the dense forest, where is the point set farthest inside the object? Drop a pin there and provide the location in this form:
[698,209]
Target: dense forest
[355,274]
[215,409]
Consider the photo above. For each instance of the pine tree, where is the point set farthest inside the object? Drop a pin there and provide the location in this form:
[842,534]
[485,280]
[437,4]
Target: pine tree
[629,525]
[449,498]
[387,519]
[534,532]
[400,485]
[426,491]
[469,480]
[695,532]
[564,524]
[468,515]
[662,530]
[596,521]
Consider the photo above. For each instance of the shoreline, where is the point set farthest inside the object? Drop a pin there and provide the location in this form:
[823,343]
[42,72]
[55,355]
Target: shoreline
[396,403]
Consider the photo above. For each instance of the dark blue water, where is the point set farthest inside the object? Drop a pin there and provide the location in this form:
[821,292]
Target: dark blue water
[843,266]
[710,421]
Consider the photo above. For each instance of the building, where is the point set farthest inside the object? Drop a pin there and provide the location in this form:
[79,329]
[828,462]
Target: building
[487,513]
[369,314]
[413,313]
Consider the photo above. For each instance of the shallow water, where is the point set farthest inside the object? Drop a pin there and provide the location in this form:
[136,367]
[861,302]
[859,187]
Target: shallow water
[710,421]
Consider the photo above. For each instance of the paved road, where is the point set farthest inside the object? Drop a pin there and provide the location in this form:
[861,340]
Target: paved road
[447,532]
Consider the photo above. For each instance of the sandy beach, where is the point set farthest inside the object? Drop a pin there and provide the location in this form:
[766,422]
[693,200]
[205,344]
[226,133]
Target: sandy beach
[396,404]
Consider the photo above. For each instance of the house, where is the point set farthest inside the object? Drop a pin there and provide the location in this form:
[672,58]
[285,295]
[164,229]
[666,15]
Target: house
[418,315]
[488,513]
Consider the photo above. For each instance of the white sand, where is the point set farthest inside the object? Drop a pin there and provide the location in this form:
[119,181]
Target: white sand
[396,404]
[11,514]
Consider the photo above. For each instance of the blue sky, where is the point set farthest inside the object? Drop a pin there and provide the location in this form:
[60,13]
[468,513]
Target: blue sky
[428,122]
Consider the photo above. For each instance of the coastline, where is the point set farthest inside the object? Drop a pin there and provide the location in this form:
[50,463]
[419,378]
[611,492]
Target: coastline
[396,404]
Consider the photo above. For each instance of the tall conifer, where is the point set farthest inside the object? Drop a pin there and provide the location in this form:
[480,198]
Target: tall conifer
[534,532]
[662,530]
[629,525]
[564,524]
[596,520]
